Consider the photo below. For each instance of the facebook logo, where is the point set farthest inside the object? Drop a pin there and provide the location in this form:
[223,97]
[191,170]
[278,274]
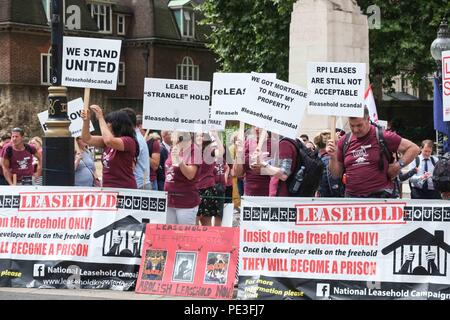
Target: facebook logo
[38,270]
[323,290]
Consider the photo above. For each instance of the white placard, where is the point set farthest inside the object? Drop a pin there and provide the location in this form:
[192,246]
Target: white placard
[274,105]
[176,105]
[446,85]
[336,89]
[90,63]
[74,108]
[230,93]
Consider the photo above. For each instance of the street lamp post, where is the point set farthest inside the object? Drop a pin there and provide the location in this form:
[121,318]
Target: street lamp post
[146,55]
[58,148]
[440,44]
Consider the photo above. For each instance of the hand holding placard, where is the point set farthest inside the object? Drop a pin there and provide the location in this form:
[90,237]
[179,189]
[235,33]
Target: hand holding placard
[97,111]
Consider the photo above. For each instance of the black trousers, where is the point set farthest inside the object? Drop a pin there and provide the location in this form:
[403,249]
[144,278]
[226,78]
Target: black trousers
[3,181]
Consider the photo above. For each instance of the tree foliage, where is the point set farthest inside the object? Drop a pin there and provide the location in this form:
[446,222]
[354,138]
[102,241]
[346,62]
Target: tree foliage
[402,44]
[253,35]
[250,35]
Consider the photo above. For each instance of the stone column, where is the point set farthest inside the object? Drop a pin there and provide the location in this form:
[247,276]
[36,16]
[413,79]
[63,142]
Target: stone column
[325,31]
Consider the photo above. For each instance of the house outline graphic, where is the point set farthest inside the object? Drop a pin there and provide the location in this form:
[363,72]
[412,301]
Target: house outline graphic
[124,227]
[420,238]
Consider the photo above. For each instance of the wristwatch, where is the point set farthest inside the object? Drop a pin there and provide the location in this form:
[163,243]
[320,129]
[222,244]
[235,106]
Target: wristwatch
[401,163]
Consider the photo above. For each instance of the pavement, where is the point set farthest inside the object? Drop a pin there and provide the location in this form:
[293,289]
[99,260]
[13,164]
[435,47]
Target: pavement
[78,294]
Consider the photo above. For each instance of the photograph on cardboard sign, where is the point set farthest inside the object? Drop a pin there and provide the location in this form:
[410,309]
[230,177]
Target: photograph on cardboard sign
[155,261]
[184,266]
[216,268]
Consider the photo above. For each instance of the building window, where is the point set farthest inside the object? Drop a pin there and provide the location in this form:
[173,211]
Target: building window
[188,23]
[187,70]
[121,74]
[46,71]
[185,19]
[47,9]
[120,24]
[102,15]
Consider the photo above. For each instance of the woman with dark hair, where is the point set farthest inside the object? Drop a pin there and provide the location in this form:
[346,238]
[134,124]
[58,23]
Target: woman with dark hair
[120,146]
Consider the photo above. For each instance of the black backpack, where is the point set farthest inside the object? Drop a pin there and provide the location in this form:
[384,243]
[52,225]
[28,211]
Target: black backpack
[441,174]
[312,173]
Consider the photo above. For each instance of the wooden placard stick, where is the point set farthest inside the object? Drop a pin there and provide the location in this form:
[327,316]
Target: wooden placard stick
[262,139]
[241,137]
[87,97]
[333,128]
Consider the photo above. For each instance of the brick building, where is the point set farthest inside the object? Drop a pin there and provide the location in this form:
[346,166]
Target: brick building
[161,39]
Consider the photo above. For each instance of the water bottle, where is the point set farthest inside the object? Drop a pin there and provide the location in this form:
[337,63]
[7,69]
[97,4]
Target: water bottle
[298,180]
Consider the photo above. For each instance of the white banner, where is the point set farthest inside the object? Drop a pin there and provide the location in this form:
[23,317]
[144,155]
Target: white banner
[88,235]
[274,105]
[446,85]
[336,89]
[74,108]
[90,63]
[345,240]
[177,105]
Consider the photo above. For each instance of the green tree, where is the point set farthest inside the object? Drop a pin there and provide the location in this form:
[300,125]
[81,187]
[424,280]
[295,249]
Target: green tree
[402,44]
[250,35]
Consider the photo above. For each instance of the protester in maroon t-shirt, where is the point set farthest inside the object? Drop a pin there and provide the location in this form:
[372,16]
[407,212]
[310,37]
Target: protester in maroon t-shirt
[210,204]
[18,159]
[182,172]
[120,146]
[255,183]
[361,160]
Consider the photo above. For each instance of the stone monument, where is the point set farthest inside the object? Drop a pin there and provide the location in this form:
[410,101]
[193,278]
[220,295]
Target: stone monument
[325,31]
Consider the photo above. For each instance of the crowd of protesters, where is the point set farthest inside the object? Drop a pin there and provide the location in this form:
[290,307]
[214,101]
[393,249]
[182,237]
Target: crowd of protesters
[198,172]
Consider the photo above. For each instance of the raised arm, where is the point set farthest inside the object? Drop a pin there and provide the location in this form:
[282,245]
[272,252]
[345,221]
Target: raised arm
[108,138]
[86,136]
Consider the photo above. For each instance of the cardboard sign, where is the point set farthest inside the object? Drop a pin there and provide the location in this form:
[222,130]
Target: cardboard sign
[176,105]
[336,89]
[274,105]
[446,85]
[190,261]
[90,63]
[229,94]
[74,108]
